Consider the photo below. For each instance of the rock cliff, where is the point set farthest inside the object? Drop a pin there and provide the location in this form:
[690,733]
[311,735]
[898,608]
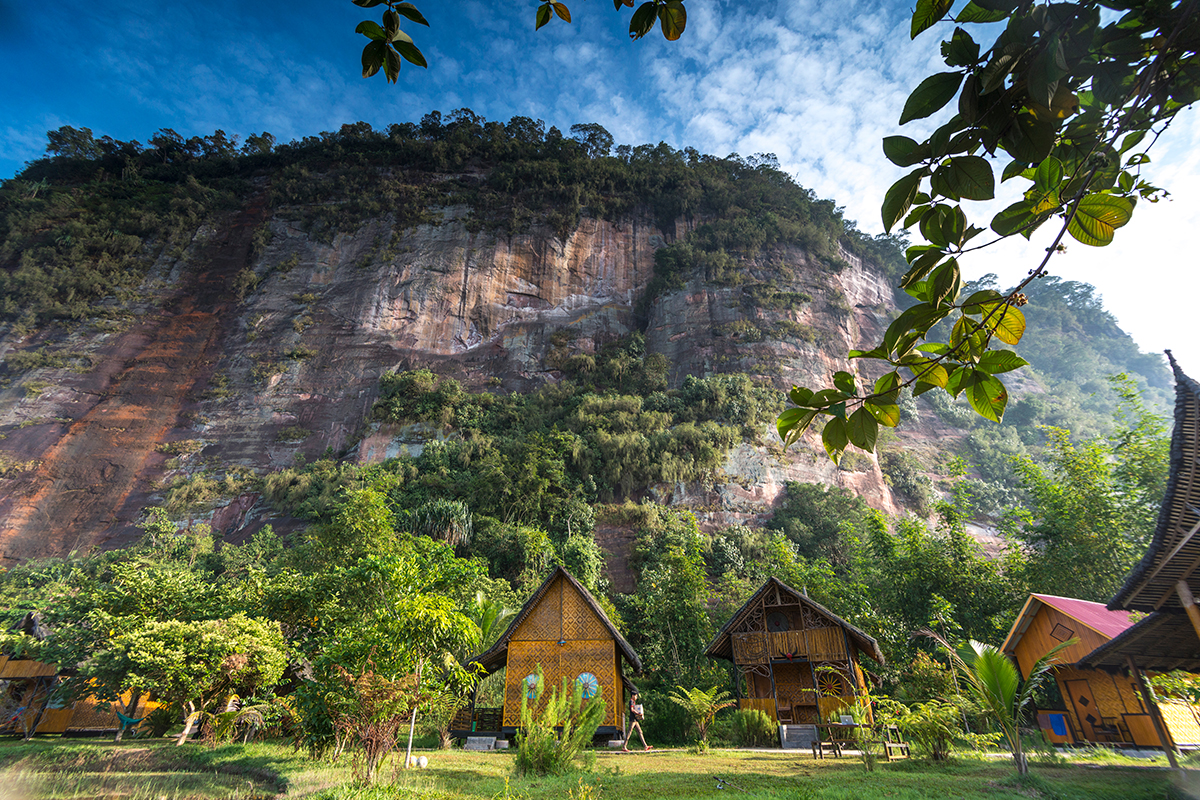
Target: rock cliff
[289,369]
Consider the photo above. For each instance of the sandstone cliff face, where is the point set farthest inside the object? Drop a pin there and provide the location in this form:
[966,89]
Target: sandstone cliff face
[292,369]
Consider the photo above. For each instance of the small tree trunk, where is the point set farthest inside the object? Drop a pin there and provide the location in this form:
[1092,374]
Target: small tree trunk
[188,724]
[1019,757]
[130,710]
[413,723]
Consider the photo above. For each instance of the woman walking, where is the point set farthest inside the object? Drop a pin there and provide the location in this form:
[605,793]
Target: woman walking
[637,713]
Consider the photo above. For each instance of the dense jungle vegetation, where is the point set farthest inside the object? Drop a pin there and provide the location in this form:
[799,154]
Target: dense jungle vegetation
[89,219]
[405,562]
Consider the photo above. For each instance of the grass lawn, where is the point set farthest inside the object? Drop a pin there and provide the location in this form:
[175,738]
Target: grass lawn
[139,770]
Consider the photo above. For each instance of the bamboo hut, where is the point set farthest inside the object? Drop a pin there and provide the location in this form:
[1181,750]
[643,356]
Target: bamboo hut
[29,692]
[564,632]
[1164,585]
[798,658]
[1094,705]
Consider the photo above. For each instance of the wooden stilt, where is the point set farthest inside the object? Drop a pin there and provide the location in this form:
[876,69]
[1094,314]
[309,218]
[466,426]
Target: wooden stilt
[1155,715]
[1189,605]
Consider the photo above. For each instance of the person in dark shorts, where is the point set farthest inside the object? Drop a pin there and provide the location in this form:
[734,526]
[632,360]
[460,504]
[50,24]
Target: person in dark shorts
[637,714]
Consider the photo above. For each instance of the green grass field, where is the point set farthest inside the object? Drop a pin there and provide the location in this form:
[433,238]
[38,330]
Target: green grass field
[87,769]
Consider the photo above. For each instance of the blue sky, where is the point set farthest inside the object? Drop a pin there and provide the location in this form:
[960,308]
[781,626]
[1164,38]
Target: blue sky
[817,83]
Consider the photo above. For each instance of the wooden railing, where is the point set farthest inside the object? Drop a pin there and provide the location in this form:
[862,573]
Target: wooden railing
[819,644]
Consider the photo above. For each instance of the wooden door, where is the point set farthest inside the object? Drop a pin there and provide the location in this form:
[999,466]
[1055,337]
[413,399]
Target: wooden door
[1086,712]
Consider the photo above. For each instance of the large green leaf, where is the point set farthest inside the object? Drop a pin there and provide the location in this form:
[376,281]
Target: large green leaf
[792,424]
[835,438]
[410,11]
[927,14]
[372,57]
[642,21]
[1007,322]
[965,176]
[996,361]
[673,18]
[863,429]
[898,198]
[930,96]
[371,30]
[1017,218]
[391,64]
[973,12]
[903,151]
[1030,139]
[961,50]
[921,267]
[887,414]
[542,17]
[1097,218]
[410,52]
[986,395]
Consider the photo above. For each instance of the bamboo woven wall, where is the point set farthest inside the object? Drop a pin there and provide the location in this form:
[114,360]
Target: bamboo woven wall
[1181,722]
[818,644]
[565,637]
[18,668]
[826,644]
[764,704]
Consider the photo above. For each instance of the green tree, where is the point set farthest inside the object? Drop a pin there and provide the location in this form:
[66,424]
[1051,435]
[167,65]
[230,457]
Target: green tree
[993,680]
[191,664]
[1074,100]
[700,706]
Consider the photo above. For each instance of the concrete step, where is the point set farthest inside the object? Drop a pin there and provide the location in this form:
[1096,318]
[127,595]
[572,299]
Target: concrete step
[797,737]
[480,743]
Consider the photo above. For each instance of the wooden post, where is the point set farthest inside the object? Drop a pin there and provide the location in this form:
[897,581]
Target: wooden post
[1155,716]
[1189,605]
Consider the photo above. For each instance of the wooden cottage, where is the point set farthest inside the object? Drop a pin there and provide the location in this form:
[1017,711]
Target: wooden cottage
[1097,706]
[1165,583]
[799,659]
[565,632]
[27,695]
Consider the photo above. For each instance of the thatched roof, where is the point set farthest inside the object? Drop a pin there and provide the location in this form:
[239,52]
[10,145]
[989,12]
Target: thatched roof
[721,646]
[496,656]
[1174,553]
[1160,643]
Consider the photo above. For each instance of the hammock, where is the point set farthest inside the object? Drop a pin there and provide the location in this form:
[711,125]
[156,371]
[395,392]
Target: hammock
[126,722]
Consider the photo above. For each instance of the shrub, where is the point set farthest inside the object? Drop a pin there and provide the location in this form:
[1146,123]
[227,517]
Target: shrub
[753,727]
[543,751]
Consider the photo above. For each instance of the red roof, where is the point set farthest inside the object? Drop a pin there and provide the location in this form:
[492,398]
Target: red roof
[1094,615]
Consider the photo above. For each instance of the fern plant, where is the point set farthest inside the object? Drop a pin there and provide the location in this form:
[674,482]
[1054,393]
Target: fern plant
[550,741]
[701,706]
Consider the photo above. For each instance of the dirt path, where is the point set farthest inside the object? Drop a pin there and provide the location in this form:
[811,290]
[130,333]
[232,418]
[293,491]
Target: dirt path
[94,479]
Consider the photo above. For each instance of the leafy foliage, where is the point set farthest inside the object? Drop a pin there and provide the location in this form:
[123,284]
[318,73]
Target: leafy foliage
[553,738]
[1069,96]
[701,706]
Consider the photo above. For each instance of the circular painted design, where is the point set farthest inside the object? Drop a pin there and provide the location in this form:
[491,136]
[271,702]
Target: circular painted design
[829,685]
[531,686]
[778,622]
[589,684]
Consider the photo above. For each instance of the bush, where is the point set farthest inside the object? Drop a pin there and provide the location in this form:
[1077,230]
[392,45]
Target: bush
[753,727]
[543,751]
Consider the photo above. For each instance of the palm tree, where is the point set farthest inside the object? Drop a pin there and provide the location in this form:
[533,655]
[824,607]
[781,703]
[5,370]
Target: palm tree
[446,521]
[701,706]
[996,684]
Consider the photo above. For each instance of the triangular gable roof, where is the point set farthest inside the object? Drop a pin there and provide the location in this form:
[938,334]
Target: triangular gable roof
[720,646]
[496,656]
[1174,552]
[1096,616]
